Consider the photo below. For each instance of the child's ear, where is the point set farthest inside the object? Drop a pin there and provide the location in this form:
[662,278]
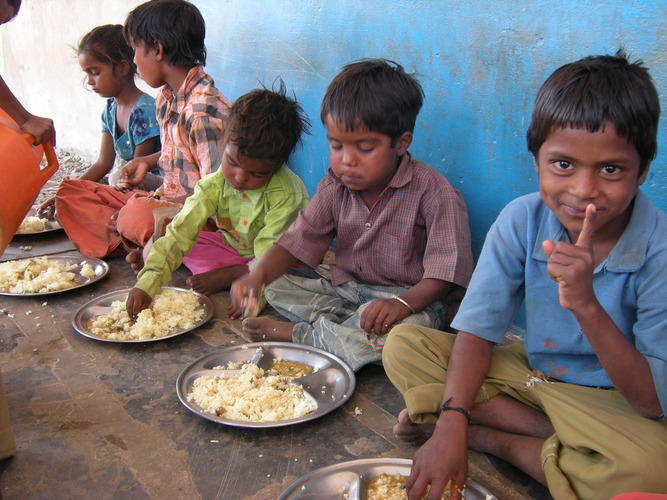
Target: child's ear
[403,142]
[159,50]
[123,68]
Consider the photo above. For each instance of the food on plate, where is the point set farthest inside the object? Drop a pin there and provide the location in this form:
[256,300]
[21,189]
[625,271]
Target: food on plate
[390,487]
[170,311]
[289,368]
[254,395]
[32,224]
[37,275]
[87,271]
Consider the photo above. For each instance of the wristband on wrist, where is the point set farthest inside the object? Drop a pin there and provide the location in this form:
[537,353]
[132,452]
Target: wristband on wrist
[445,407]
[402,301]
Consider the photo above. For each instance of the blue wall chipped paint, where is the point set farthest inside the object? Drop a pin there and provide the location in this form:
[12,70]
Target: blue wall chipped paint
[480,63]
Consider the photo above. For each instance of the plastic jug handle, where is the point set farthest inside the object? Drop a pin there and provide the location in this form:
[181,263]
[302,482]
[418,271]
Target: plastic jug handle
[51,158]
[51,161]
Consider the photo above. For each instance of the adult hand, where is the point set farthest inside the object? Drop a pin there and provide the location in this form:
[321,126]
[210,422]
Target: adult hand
[133,173]
[245,293]
[40,128]
[381,315]
[137,301]
[441,460]
[572,266]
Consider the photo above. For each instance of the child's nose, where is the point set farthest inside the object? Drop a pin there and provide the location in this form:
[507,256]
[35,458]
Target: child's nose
[585,185]
[349,158]
[241,177]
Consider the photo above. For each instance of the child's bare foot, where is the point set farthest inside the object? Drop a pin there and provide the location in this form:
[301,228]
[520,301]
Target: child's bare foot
[265,328]
[216,280]
[406,430]
[135,258]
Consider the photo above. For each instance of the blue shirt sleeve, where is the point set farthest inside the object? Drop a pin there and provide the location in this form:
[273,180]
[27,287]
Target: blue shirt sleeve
[497,287]
[109,117]
[650,327]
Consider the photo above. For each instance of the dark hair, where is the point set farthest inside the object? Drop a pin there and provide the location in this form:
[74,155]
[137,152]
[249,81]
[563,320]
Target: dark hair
[176,24]
[16,5]
[266,124]
[108,45]
[377,93]
[593,91]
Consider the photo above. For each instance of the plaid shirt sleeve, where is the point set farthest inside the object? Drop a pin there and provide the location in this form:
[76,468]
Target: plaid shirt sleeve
[205,137]
[314,229]
[448,254]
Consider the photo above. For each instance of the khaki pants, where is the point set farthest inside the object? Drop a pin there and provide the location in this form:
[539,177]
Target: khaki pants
[601,446]
[7,448]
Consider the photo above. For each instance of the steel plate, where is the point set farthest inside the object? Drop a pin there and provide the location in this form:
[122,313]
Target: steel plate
[102,305]
[331,372]
[350,480]
[51,225]
[100,268]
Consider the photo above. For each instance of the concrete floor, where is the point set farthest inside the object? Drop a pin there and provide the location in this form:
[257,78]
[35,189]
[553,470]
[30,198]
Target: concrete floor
[102,420]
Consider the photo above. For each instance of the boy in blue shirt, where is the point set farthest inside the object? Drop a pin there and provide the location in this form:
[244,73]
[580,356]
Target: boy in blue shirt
[580,403]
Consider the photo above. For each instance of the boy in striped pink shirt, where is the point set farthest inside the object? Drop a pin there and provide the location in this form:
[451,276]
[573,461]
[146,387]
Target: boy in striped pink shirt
[401,231]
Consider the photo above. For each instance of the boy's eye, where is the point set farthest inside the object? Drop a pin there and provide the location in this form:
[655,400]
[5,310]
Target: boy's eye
[257,175]
[335,146]
[366,148]
[610,169]
[562,164]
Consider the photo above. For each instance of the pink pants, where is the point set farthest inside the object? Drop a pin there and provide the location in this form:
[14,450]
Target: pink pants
[210,252]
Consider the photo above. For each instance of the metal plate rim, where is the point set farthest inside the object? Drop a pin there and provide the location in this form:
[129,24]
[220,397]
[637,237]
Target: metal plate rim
[251,347]
[55,226]
[359,466]
[76,321]
[74,259]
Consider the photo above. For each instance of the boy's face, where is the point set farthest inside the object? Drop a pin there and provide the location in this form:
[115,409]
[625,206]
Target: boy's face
[577,167]
[244,173]
[149,63]
[363,160]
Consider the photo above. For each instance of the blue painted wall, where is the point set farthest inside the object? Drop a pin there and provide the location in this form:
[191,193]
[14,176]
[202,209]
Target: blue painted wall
[480,63]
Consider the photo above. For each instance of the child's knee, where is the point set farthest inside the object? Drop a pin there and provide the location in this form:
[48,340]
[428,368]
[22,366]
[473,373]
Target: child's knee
[400,340]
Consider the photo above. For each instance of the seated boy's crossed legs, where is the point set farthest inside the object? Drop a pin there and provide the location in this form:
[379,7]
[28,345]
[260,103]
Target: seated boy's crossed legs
[328,317]
[585,442]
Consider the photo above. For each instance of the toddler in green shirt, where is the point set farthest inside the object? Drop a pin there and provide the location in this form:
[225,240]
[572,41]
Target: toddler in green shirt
[237,212]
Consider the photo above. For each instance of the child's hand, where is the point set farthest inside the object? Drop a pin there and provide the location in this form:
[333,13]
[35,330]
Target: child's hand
[133,173]
[571,266]
[48,208]
[382,315]
[245,293]
[137,301]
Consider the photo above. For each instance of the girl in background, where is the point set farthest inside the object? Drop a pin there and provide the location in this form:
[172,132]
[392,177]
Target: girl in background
[129,127]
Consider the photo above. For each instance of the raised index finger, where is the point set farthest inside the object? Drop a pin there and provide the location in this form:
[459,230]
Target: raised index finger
[585,239]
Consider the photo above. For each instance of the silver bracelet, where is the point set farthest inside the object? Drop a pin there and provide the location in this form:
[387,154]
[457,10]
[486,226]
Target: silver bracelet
[412,309]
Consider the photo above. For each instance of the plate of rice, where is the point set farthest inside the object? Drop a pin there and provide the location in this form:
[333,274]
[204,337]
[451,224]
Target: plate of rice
[367,479]
[34,224]
[265,384]
[49,274]
[173,311]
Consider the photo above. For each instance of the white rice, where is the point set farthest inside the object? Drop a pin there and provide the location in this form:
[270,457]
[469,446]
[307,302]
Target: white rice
[255,395]
[392,487]
[32,224]
[37,275]
[169,312]
[87,271]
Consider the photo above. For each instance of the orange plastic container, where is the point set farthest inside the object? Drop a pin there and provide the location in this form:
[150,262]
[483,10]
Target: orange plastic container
[21,177]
